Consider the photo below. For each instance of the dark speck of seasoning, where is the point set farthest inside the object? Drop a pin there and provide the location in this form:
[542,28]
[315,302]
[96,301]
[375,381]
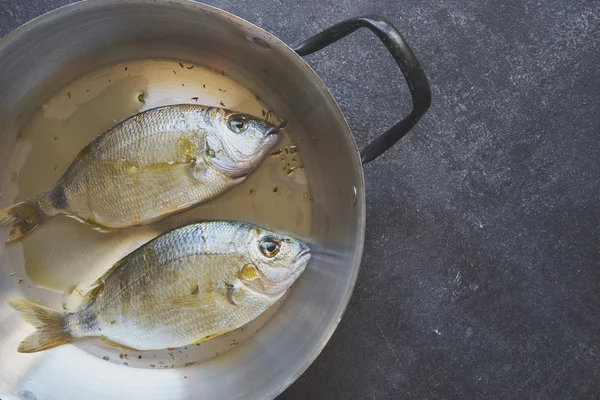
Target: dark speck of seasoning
[264,71]
[204,86]
[69,94]
[126,363]
[195,98]
[105,358]
[264,113]
[110,80]
[152,365]
[251,192]
[139,357]
[223,90]
[87,90]
[196,290]
[275,189]
[56,166]
[125,68]
[121,356]
[19,135]
[257,98]
[190,67]
[221,103]
[223,72]
[185,377]
[174,72]
[182,84]
[20,281]
[55,137]
[181,65]
[141,98]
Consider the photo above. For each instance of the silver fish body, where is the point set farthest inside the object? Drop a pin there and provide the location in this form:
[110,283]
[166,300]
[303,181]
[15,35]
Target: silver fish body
[186,286]
[156,163]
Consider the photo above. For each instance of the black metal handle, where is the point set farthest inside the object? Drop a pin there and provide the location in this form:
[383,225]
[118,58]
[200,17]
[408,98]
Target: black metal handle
[406,60]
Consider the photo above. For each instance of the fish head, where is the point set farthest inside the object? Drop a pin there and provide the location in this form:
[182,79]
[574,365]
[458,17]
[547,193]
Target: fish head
[276,262]
[238,142]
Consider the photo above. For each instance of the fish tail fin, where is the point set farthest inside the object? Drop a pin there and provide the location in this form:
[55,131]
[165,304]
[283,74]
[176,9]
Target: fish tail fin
[23,217]
[51,327]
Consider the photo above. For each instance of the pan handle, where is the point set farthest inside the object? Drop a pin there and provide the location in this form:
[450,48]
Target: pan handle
[406,60]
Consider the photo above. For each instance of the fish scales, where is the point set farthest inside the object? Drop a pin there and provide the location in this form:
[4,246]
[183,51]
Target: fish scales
[185,286]
[154,164]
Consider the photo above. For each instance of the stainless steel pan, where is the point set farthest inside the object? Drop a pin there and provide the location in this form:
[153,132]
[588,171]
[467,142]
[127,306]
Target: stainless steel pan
[59,77]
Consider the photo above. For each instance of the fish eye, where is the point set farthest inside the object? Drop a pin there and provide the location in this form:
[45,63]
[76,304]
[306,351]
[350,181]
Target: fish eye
[269,247]
[237,123]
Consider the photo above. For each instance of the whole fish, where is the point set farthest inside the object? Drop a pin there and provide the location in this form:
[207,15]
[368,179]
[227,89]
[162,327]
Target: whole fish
[156,163]
[186,286]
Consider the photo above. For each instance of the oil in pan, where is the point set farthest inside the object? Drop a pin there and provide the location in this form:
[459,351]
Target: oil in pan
[65,256]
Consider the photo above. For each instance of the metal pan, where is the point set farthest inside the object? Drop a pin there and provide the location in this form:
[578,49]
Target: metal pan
[72,73]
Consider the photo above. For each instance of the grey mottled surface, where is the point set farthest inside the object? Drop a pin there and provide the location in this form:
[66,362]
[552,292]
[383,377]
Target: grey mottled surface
[481,271]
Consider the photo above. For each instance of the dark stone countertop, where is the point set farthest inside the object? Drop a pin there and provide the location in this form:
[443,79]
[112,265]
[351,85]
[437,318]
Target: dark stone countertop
[481,271]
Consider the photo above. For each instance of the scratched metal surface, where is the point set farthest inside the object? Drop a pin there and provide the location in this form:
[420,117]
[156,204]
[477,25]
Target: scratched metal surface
[480,275]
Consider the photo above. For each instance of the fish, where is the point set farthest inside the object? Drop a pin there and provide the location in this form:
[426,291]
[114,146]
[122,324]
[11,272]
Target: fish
[186,286]
[153,164]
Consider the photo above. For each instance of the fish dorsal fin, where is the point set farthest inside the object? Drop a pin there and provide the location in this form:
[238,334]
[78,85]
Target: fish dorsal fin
[91,296]
[97,287]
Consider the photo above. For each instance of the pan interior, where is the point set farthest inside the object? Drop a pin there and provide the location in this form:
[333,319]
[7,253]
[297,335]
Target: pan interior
[66,257]
[71,75]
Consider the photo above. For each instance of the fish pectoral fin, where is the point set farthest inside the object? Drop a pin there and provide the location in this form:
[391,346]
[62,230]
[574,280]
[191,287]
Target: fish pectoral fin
[187,301]
[239,179]
[249,273]
[194,300]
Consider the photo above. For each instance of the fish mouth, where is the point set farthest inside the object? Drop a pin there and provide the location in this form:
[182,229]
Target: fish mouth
[302,257]
[303,254]
[272,130]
